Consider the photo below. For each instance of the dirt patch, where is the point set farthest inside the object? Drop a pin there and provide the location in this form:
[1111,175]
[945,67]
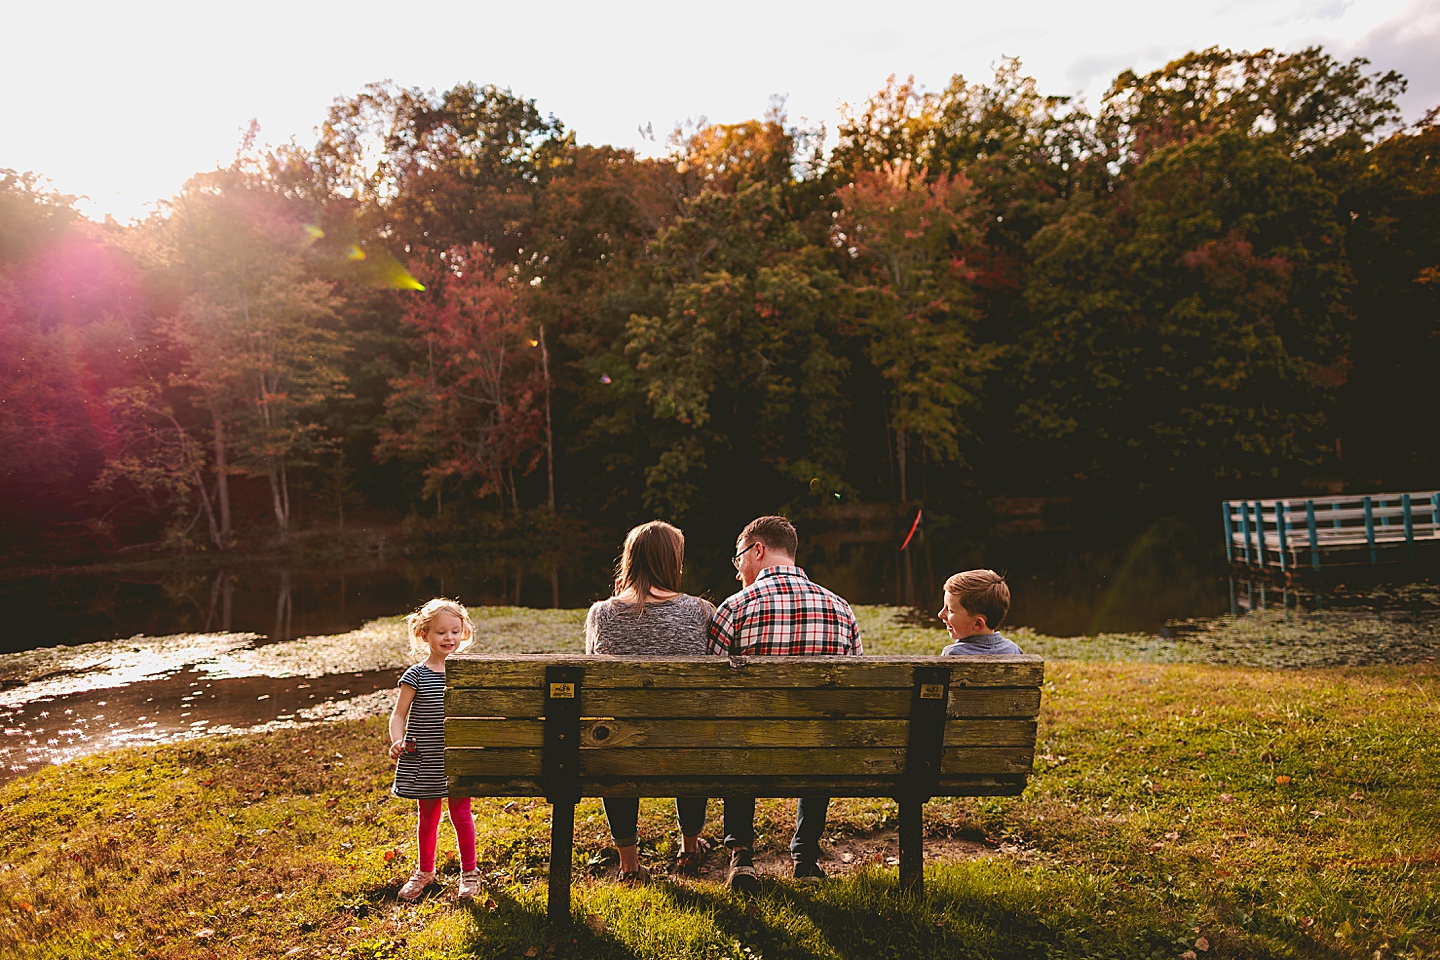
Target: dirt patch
[841,857]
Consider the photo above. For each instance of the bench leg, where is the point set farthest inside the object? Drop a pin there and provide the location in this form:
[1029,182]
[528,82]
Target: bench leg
[562,841]
[912,847]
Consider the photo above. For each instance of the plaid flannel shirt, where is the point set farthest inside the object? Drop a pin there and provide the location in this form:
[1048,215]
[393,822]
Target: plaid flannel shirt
[784,613]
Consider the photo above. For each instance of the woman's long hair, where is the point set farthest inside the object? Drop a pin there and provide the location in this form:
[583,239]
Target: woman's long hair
[653,557]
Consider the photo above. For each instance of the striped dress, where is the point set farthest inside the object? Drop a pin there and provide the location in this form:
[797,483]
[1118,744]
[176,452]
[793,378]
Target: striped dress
[421,775]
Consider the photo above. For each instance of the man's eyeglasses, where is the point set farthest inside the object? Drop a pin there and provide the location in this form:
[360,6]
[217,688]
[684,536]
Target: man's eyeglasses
[735,560]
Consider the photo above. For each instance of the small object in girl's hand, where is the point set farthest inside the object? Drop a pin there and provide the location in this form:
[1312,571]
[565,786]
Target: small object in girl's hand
[410,745]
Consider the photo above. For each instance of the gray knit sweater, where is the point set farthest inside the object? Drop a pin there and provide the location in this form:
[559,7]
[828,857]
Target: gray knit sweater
[665,628]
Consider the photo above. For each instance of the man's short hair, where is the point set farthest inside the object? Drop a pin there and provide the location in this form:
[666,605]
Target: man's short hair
[981,592]
[776,533]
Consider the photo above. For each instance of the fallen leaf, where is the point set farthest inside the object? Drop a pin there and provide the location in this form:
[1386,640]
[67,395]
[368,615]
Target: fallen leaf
[1172,835]
[25,907]
[1188,955]
[1357,796]
[532,952]
[847,857]
[1282,780]
[389,855]
[1227,798]
[1202,944]
[204,934]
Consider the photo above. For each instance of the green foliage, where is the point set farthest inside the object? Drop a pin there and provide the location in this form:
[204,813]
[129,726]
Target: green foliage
[1193,326]
[1226,274]
[741,367]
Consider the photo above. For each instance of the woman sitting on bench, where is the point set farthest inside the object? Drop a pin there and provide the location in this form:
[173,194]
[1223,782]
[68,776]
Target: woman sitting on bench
[648,616]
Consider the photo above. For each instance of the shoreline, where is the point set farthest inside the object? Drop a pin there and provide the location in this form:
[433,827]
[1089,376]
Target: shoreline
[60,703]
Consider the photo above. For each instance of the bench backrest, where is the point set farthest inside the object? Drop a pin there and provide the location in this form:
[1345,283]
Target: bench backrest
[569,726]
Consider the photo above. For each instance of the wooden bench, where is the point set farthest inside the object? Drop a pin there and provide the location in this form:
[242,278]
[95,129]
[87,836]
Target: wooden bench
[566,727]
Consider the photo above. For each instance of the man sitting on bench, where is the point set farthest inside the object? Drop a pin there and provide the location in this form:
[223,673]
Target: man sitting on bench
[781,612]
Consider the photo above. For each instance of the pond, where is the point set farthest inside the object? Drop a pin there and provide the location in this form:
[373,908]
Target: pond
[1061,583]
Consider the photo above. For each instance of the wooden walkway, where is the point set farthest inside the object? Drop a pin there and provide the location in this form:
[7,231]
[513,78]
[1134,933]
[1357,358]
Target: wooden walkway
[1287,534]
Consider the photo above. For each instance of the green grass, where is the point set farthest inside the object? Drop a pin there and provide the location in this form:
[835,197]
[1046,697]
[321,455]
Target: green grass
[1253,812]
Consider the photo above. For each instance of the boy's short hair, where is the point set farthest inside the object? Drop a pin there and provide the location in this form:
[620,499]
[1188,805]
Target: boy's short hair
[982,592]
[776,533]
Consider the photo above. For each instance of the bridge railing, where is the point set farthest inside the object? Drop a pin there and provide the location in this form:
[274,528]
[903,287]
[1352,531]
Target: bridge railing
[1286,532]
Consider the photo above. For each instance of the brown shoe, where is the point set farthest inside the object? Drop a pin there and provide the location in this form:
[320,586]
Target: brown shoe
[689,862]
[635,877]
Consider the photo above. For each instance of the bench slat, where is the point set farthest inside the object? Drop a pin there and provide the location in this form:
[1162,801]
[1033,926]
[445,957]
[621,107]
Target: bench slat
[759,703]
[651,733]
[465,670]
[990,785]
[819,765]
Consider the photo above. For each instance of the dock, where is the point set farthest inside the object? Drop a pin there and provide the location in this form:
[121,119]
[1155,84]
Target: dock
[1287,535]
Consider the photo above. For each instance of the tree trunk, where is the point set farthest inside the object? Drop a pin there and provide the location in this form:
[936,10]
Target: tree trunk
[549,433]
[222,479]
[340,491]
[900,444]
[279,498]
[215,537]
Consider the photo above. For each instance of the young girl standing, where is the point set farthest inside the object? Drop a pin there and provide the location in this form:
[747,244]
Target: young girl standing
[417,742]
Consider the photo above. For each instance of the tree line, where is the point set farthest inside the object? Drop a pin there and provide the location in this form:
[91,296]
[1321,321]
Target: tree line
[1222,280]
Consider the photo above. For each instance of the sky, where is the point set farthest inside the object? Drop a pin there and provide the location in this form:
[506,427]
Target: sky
[121,103]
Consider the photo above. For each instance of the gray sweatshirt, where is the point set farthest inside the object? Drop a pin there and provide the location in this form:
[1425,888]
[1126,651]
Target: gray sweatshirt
[665,628]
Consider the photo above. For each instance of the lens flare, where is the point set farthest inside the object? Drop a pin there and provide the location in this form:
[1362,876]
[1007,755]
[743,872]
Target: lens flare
[314,232]
[814,484]
[353,252]
[604,378]
[396,277]
[665,408]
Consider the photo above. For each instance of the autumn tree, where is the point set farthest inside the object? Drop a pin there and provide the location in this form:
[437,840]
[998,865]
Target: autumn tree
[1307,101]
[469,410]
[908,236]
[69,296]
[1195,329]
[436,171]
[259,337]
[1393,246]
[733,377]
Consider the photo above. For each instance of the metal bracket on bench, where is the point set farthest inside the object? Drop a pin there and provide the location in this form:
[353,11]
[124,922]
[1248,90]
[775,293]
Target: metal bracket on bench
[928,705]
[560,763]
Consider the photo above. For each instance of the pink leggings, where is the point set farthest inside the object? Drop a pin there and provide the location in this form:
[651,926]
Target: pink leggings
[460,819]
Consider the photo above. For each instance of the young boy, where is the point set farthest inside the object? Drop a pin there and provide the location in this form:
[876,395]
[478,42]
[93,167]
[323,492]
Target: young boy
[976,602]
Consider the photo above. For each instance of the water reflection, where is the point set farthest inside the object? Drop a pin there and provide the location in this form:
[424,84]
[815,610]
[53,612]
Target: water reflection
[53,729]
[1063,583]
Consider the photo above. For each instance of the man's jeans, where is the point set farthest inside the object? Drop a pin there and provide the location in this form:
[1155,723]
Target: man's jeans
[624,815]
[809,826]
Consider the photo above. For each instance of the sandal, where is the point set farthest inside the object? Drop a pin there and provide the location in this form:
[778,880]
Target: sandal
[689,862]
[635,877]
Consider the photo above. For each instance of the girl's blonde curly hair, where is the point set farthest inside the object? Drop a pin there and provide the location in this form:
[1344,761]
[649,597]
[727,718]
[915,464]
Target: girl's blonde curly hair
[418,623]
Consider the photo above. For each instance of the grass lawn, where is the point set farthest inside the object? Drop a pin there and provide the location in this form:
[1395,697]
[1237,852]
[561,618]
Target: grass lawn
[1176,809]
